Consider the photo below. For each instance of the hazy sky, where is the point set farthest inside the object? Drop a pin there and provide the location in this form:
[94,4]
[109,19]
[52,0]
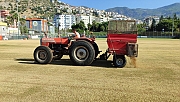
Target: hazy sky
[105,4]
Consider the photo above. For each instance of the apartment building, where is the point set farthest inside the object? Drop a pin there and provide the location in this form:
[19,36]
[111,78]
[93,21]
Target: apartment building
[149,20]
[64,21]
[86,19]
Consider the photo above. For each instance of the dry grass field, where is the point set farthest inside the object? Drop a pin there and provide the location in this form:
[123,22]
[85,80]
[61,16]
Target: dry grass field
[156,78]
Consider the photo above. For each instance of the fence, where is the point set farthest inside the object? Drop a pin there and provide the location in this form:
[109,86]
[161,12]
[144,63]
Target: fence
[24,36]
[146,34]
[96,34]
[156,34]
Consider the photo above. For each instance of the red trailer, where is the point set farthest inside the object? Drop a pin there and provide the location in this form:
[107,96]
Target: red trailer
[121,40]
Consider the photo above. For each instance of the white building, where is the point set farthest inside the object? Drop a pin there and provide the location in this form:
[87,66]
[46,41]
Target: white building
[104,19]
[85,19]
[3,28]
[121,17]
[64,21]
[148,21]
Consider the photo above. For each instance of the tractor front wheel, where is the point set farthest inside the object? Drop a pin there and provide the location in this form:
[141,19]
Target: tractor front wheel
[82,53]
[43,55]
[119,61]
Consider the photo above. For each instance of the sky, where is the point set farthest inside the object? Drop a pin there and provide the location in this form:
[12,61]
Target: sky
[132,4]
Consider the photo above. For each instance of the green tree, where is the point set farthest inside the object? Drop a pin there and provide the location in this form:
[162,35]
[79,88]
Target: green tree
[94,26]
[101,27]
[141,28]
[165,24]
[105,24]
[9,20]
[153,26]
[13,17]
[22,25]
[80,27]
[89,26]
[175,17]
[23,29]
[161,18]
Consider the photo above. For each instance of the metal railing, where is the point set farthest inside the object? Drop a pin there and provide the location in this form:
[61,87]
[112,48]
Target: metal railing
[96,34]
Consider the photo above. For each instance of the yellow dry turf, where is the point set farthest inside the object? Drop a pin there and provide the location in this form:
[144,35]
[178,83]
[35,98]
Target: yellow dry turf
[156,78]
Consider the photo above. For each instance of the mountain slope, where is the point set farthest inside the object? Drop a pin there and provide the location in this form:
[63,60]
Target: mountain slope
[28,8]
[142,13]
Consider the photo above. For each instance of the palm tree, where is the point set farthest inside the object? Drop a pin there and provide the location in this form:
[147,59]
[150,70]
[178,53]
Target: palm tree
[22,21]
[15,17]
[10,19]
[22,25]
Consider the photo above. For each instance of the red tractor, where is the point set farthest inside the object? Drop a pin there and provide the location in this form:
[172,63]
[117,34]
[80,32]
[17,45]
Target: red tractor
[121,40]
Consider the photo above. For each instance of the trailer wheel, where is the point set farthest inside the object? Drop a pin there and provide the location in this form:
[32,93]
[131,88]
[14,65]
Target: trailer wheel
[43,55]
[119,61]
[82,53]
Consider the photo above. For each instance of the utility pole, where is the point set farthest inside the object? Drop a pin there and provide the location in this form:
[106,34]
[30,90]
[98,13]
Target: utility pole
[0,15]
[173,28]
[18,16]
[65,25]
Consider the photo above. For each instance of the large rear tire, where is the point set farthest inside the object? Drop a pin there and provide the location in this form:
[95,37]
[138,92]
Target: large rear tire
[96,48]
[43,55]
[82,53]
[119,61]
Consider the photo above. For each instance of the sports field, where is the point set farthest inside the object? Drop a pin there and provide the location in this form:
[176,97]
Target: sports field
[156,78]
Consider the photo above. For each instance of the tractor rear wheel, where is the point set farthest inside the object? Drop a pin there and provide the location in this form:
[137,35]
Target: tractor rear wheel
[43,55]
[96,48]
[119,61]
[82,53]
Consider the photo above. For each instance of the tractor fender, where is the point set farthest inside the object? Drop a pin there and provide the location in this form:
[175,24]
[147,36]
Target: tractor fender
[86,39]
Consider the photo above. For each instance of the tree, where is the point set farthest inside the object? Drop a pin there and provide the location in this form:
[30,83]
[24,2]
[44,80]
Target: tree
[161,18]
[13,17]
[89,26]
[80,27]
[175,17]
[101,28]
[97,27]
[22,21]
[165,24]
[22,25]
[23,29]
[9,20]
[141,28]
[153,26]
[94,26]
[105,24]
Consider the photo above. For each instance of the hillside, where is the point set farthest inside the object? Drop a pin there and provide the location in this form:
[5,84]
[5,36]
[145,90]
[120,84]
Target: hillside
[142,13]
[29,8]
[46,9]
